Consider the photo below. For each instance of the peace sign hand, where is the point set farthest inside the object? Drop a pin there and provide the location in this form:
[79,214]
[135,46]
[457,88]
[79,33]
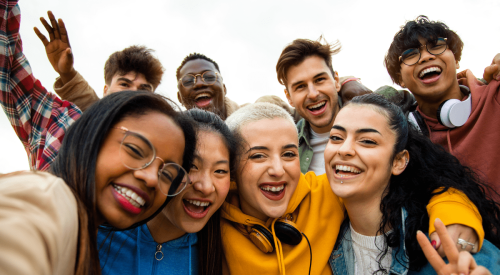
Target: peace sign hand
[459,262]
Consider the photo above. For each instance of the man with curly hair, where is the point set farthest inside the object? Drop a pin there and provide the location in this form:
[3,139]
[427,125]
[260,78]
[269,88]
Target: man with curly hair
[461,115]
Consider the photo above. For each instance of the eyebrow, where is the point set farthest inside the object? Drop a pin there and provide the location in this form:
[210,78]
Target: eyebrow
[198,157]
[124,79]
[301,81]
[257,148]
[288,146]
[362,130]
[130,82]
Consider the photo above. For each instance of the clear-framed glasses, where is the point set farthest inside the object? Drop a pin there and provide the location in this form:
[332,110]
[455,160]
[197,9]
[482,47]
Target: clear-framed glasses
[137,152]
[412,56]
[208,77]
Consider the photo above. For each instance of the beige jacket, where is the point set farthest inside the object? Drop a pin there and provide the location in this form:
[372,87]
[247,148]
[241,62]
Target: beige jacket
[77,90]
[38,224]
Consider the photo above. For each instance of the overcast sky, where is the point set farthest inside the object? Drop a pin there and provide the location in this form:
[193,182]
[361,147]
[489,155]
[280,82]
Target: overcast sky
[244,38]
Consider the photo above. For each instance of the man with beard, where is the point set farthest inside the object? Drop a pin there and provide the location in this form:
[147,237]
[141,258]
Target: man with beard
[313,88]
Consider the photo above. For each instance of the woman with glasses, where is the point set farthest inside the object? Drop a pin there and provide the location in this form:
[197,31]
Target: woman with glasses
[281,221]
[185,238]
[116,166]
[386,173]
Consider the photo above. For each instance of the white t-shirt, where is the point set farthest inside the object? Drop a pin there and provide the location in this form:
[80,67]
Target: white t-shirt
[318,143]
[366,253]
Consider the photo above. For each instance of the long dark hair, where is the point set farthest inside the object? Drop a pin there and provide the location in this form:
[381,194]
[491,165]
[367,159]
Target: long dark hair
[210,237]
[77,158]
[430,168]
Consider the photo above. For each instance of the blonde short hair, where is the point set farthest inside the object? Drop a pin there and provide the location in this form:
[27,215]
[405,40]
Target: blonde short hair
[255,112]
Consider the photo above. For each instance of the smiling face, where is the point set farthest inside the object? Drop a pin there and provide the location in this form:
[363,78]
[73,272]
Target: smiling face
[130,81]
[313,91]
[433,78]
[190,210]
[120,191]
[269,168]
[359,156]
[201,95]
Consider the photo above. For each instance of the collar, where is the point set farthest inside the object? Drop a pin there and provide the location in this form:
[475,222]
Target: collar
[342,258]
[303,129]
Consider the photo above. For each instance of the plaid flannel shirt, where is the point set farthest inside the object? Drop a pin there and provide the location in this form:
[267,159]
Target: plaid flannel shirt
[39,118]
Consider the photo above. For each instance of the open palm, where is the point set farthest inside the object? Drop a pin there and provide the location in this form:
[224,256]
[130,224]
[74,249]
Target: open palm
[58,48]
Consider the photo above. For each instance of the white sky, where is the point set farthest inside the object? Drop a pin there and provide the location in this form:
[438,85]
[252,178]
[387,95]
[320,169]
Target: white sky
[244,38]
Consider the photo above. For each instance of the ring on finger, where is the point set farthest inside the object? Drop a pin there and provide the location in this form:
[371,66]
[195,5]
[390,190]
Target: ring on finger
[463,243]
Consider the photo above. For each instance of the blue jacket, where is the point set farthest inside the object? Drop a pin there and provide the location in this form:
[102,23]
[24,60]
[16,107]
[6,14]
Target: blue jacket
[342,258]
[135,252]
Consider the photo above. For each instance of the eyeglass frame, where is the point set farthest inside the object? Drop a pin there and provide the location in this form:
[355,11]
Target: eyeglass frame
[420,53]
[126,131]
[217,76]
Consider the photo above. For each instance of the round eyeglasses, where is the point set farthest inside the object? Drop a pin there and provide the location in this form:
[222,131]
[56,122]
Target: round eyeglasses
[137,152]
[208,77]
[412,56]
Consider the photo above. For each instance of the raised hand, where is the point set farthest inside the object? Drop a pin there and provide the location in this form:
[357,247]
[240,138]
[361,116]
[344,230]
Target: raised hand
[58,48]
[459,262]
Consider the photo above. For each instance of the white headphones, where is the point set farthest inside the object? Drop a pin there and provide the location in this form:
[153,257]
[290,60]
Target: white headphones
[454,113]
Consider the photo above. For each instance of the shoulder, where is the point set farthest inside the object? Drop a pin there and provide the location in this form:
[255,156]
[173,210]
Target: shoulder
[38,184]
[39,218]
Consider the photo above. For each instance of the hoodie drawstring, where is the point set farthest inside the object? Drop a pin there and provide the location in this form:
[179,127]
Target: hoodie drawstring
[449,141]
[279,250]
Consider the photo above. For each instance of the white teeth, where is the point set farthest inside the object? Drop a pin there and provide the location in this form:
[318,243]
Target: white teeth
[273,189]
[199,203]
[317,105]
[347,168]
[130,195]
[202,95]
[428,70]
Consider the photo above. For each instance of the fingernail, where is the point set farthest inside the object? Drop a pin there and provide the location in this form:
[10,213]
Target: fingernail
[498,78]
[433,243]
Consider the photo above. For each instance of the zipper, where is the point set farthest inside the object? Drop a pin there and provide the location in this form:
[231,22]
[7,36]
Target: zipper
[158,253]
[158,257]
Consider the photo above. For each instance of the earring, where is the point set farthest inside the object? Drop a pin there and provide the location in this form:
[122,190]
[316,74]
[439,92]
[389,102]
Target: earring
[406,163]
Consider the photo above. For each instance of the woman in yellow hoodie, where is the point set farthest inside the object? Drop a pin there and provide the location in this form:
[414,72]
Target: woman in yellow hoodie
[273,198]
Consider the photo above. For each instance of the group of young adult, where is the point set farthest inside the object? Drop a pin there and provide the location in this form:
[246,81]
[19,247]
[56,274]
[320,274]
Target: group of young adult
[129,184]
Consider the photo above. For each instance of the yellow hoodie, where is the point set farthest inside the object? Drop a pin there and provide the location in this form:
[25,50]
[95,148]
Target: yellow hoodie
[318,213]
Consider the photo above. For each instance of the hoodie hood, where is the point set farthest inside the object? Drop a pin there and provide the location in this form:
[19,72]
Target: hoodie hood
[317,214]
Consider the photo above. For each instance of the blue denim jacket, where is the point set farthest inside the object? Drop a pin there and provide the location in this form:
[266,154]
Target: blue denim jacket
[342,257]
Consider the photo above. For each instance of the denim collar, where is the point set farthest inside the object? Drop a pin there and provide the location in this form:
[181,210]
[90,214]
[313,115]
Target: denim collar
[342,258]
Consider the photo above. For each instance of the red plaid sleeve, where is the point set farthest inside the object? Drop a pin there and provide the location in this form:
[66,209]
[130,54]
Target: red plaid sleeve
[39,118]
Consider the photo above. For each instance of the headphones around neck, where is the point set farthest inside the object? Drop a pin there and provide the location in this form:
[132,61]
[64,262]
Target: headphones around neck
[453,112]
[286,231]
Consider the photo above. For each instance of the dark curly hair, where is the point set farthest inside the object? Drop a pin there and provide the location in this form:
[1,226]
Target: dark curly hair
[137,59]
[194,56]
[408,36]
[429,169]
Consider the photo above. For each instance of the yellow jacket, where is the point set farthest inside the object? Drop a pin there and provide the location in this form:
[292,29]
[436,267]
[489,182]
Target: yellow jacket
[318,213]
